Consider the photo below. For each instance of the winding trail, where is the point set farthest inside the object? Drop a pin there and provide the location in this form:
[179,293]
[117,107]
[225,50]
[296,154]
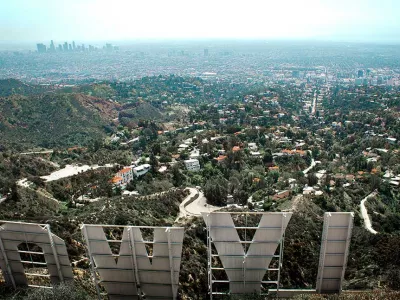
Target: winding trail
[364,212]
[312,165]
[38,152]
[26,184]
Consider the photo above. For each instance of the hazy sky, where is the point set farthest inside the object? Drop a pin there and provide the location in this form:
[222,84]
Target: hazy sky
[85,20]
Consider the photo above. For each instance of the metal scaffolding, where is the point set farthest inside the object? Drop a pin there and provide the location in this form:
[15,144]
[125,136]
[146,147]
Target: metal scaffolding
[245,269]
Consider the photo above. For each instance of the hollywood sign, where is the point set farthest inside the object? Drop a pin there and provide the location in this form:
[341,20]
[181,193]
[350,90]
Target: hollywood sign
[141,261]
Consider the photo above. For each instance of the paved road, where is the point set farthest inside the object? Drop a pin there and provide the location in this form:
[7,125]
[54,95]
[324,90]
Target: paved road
[195,208]
[364,212]
[314,104]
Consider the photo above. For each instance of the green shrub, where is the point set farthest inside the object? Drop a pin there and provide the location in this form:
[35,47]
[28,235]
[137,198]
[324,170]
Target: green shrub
[59,292]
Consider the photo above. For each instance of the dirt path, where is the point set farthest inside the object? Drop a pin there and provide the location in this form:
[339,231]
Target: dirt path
[312,165]
[364,212]
[26,184]
[71,170]
[295,202]
[38,152]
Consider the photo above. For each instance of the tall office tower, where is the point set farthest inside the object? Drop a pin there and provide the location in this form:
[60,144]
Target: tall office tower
[360,73]
[83,47]
[60,48]
[41,48]
[205,52]
[52,47]
[109,47]
[296,74]
[73,45]
[69,47]
[65,47]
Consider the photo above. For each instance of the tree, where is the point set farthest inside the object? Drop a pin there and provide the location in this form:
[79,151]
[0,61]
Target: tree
[216,191]
[131,186]
[153,163]
[274,175]
[268,158]
[241,197]
[375,182]
[156,149]
[312,179]
[165,159]
[177,177]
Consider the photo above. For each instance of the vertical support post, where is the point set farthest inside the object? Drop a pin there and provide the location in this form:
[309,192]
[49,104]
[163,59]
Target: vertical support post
[54,249]
[92,267]
[8,272]
[171,263]
[245,252]
[280,263]
[321,264]
[134,260]
[209,246]
[346,251]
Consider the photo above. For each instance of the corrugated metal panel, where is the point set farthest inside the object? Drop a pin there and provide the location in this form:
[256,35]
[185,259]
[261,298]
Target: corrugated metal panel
[245,270]
[134,273]
[335,244]
[12,234]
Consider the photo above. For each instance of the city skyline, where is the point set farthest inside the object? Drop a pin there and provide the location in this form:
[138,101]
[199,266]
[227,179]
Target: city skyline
[72,47]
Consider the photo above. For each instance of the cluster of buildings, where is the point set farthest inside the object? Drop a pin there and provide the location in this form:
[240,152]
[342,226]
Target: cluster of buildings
[236,65]
[71,47]
[127,174]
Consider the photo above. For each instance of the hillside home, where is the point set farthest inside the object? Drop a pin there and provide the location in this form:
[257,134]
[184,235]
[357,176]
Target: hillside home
[281,195]
[141,170]
[252,146]
[192,165]
[220,158]
[126,174]
[123,177]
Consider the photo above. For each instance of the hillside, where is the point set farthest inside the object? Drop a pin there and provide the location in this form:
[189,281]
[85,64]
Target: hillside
[53,120]
[10,87]
[139,111]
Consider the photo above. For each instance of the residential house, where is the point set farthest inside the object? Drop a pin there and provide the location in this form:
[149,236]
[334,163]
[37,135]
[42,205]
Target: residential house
[281,195]
[141,170]
[220,158]
[192,164]
[123,177]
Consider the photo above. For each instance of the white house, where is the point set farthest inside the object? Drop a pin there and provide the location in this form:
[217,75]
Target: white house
[255,153]
[194,154]
[252,146]
[192,164]
[141,170]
